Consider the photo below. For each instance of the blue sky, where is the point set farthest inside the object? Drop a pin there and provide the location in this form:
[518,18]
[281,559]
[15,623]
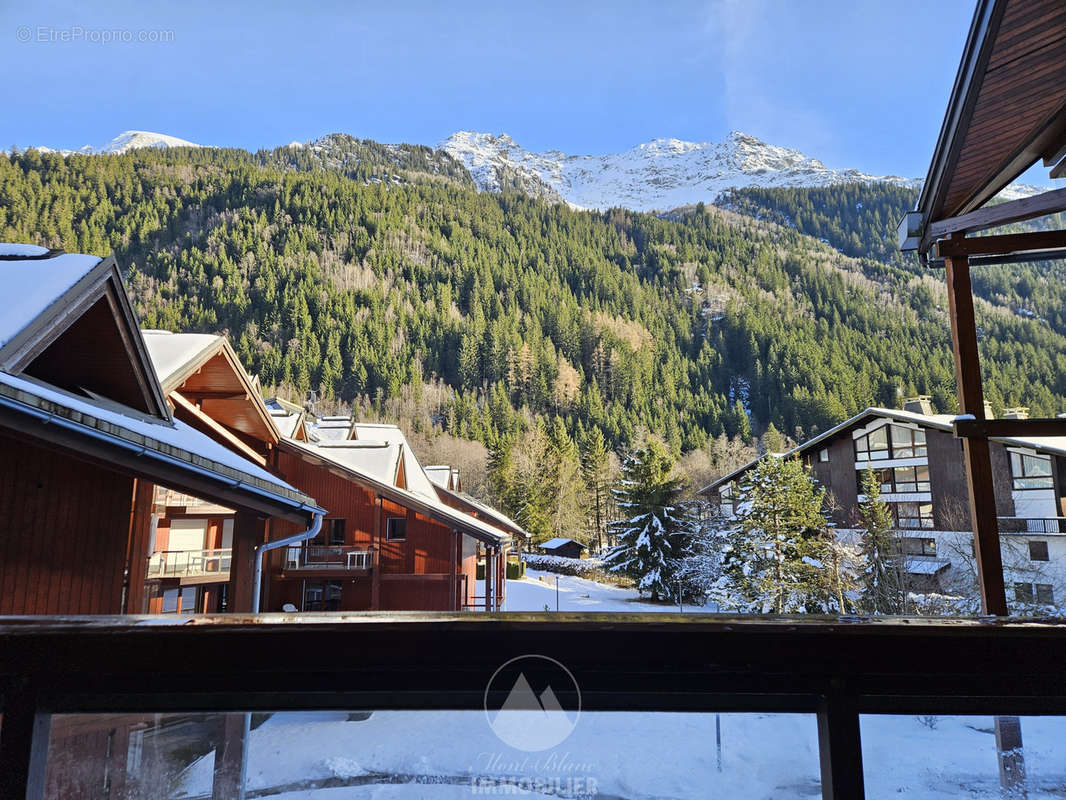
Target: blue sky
[857,83]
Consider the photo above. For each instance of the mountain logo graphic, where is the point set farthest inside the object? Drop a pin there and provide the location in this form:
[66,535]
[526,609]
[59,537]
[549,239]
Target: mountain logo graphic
[527,719]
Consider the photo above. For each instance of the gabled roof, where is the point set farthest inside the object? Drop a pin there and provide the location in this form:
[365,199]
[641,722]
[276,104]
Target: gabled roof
[1007,108]
[1055,445]
[340,458]
[81,300]
[168,452]
[552,544]
[205,371]
[486,512]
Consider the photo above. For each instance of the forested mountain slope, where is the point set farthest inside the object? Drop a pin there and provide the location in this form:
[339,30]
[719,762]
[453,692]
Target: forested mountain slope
[860,220]
[327,277]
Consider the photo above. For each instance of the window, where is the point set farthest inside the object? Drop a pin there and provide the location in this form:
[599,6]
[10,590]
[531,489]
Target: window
[322,596]
[823,454]
[180,600]
[899,479]
[1038,551]
[913,515]
[873,446]
[335,531]
[891,441]
[913,546]
[1030,471]
[395,529]
[1041,593]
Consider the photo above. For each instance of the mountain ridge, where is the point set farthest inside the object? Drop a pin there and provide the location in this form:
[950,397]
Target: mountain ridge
[659,175]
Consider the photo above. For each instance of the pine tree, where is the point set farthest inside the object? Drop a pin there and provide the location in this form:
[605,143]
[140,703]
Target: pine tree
[772,440]
[656,534]
[882,590]
[594,471]
[778,551]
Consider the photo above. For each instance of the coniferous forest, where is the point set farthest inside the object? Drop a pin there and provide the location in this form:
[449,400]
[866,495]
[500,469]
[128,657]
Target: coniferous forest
[367,272]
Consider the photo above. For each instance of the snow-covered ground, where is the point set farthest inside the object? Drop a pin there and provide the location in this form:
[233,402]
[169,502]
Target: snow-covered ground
[575,594]
[448,755]
[440,754]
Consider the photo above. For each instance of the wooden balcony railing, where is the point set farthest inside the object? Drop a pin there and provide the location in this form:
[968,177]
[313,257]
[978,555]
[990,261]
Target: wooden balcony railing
[189,563]
[834,668]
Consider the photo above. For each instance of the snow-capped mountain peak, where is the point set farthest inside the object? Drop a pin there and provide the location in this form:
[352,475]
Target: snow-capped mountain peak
[656,175]
[124,142]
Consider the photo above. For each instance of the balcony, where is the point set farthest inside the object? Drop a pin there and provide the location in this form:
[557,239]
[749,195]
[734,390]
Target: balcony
[190,564]
[328,557]
[1045,526]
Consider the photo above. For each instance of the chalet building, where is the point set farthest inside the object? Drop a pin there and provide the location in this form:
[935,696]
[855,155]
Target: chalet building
[86,436]
[919,466]
[565,548]
[388,542]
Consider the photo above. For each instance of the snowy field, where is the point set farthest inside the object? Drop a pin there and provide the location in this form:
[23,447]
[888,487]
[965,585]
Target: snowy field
[406,754]
[576,594]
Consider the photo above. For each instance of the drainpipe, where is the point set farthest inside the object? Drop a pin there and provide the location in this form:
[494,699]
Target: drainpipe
[257,572]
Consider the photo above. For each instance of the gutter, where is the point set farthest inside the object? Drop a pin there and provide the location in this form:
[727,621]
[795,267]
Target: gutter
[257,570]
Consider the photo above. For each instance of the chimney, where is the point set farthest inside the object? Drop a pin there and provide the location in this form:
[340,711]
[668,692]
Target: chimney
[922,404]
[1018,412]
[988,411]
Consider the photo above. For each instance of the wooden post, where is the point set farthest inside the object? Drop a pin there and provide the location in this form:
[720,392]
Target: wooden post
[840,750]
[231,757]
[975,450]
[982,492]
[490,569]
[248,532]
[375,567]
[138,547]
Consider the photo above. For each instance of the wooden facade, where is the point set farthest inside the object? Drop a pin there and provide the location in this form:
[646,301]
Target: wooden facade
[85,437]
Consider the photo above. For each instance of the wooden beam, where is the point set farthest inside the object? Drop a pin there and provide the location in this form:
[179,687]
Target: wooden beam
[1009,428]
[975,451]
[1059,169]
[1000,214]
[200,420]
[209,394]
[996,245]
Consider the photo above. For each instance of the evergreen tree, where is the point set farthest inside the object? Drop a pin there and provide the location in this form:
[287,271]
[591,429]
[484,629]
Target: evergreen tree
[595,472]
[655,535]
[567,498]
[772,440]
[776,560]
[882,589]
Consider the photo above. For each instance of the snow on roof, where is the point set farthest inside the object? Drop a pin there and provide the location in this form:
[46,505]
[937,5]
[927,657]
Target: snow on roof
[917,566]
[36,283]
[287,422]
[175,440]
[22,250]
[551,544]
[377,459]
[439,475]
[172,351]
[346,456]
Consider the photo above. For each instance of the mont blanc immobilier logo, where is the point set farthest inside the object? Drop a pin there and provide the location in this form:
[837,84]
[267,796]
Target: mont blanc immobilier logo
[532,703]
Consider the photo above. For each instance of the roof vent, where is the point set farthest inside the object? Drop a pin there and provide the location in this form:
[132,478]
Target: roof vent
[921,404]
[989,413]
[1018,412]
